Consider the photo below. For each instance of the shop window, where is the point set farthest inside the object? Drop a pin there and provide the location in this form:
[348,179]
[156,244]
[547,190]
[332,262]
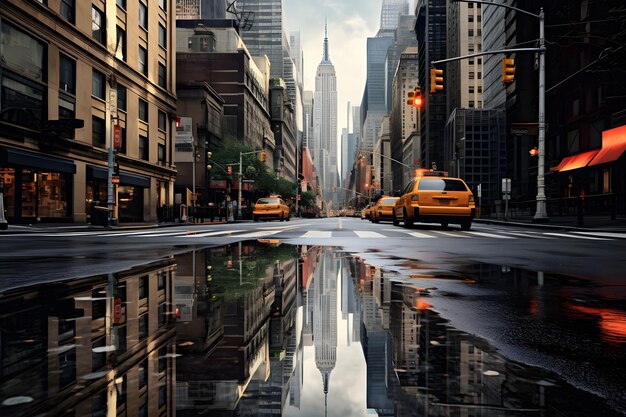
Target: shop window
[98,85]
[67,10]
[143,60]
[97,25]
[98,134]
[120,44]
[162,76]
[143,148]
[143,15]
[143,110]
[121,97]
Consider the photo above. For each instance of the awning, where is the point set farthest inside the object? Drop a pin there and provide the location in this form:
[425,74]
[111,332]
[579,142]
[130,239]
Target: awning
[125,178]
[575,161]
[613,146]
[26,159]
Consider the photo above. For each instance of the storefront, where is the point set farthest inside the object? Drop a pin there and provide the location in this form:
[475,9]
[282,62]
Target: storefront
[36,188]
[130,193]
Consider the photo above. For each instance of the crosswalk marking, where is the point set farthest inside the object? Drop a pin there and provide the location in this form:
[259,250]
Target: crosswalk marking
[576,236]
[491,235]
[317,234]
[420,235]
[368,235]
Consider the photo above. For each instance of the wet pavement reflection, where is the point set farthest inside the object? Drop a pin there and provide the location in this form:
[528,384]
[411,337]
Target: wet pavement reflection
[261,328]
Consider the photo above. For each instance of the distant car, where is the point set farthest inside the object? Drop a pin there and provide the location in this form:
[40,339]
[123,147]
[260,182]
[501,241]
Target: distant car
[357,213]
[367,211]
[432,199]
[272,207]
[383,210]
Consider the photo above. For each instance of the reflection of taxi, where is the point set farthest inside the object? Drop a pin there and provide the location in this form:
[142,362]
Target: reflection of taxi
[435,199]
[272,207]
[383,209]
[367,211]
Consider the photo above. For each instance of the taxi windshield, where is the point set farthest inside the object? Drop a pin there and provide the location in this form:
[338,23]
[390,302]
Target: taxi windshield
[441,184]
[268,201]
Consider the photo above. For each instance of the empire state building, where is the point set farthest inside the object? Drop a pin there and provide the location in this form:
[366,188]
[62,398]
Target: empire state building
[325,123]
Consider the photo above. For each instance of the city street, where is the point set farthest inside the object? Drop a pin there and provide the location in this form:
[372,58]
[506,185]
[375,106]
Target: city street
[534,301]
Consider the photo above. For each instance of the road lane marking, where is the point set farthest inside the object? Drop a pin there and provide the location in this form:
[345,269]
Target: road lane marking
[368,235]
[139,233]
[161,234]
[529,235]
[259,234]
[451,234]
[222,232]
[490,235]
[602,234]
[317,234]
[290,226]
[575,236]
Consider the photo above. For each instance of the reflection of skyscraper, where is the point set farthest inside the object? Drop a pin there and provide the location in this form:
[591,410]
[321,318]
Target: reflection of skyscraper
[325,317]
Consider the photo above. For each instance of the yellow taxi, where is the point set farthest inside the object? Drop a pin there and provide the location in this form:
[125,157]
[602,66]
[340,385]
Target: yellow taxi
[367,211]
[433,197]
[383,208]
[272,207]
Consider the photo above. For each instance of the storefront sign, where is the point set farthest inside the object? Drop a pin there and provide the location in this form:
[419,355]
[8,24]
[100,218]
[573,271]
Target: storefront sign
[117,311]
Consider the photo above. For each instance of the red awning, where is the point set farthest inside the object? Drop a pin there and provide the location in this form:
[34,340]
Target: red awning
[613,146]
[575,161]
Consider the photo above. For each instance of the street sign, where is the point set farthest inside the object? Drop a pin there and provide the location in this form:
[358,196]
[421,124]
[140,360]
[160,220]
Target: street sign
[480,191]
[115,179]
[117,311]
[520,129]
[113,101]
[117,136]
[506,185]
[248,181]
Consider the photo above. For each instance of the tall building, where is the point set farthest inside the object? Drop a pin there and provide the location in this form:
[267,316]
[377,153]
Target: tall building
[55,131]
[325,122]
[203,9]
[390,12]
[430,28]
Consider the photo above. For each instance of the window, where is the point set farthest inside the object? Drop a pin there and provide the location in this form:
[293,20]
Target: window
[161,154]
[471,104]
[67,74]
[67,110]
[66,9]
[143,15]
[471,89]
[143,110]
[470,18]
[120,44]
[97,25]
[98,138]
[162,36]
[121,3]
[143,327]
[143,148]
[143,60]
[143,287]
[470,32]
[162,121]
[121,97]
[162,76]
[97,84]
[471,75]
[163,5]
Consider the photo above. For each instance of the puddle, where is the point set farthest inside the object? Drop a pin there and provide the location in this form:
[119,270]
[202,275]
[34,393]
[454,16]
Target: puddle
[261,328]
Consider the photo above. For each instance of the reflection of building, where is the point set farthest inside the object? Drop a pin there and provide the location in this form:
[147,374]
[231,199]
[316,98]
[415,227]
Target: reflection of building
[81,331]
[325,317]
[54,169]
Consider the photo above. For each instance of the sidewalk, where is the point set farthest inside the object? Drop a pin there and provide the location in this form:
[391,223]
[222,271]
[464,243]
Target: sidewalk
[84,227]
[590,223]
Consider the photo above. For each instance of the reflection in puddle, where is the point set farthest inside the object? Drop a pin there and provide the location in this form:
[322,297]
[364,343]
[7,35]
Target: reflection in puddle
[268,329]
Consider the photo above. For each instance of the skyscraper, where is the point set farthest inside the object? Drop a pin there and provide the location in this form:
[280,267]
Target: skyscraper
[325,122]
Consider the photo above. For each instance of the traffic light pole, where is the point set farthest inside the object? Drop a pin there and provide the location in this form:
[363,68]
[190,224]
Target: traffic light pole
[241,154]
[541,215]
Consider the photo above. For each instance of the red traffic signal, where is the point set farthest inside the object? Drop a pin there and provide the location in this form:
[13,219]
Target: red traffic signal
[229,170]
[534,151]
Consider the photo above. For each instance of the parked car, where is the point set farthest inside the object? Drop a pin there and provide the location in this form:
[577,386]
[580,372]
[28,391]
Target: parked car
[383,209]
[367,211]
[435,199]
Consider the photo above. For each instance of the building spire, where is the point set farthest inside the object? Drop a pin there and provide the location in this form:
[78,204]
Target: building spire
[326,55]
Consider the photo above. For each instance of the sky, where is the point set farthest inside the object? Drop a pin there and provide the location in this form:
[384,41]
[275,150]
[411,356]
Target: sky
[350,23]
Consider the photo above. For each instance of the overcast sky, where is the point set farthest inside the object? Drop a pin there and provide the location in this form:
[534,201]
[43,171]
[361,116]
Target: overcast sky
[350,22]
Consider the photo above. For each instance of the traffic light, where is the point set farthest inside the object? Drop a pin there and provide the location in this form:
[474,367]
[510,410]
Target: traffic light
[436,80]
[229,170]
[334,189]
[417,98]
[262,156]
[508,70]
